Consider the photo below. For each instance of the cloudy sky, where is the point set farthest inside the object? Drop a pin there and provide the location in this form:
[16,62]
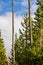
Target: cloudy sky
[20,8]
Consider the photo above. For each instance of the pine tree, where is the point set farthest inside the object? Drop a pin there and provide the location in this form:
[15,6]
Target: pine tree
[38,24]
[24,54]
[34,55]
[3,58]
[24,34]
[22,44]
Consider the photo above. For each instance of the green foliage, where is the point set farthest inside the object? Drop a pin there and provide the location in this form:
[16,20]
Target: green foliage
[24,34]
[3,58]
[24,54]
[38,24]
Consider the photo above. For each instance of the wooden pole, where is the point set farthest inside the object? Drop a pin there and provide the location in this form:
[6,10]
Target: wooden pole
[30,23]
[12,32]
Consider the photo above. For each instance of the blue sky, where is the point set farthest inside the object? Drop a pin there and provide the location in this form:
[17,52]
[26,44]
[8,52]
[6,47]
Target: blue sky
[20,6]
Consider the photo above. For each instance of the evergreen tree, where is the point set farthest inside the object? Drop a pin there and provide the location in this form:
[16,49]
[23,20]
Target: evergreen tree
[38,34]
[24,34]
[38,24]
[3,58]
[23,53]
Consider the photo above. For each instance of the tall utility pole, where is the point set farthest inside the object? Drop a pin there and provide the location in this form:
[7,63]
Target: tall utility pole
[13,32]
[30,23]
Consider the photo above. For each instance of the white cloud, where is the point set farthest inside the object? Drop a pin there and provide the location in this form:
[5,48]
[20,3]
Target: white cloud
[17,20]
[33,8]
[24,3]
[5,26]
